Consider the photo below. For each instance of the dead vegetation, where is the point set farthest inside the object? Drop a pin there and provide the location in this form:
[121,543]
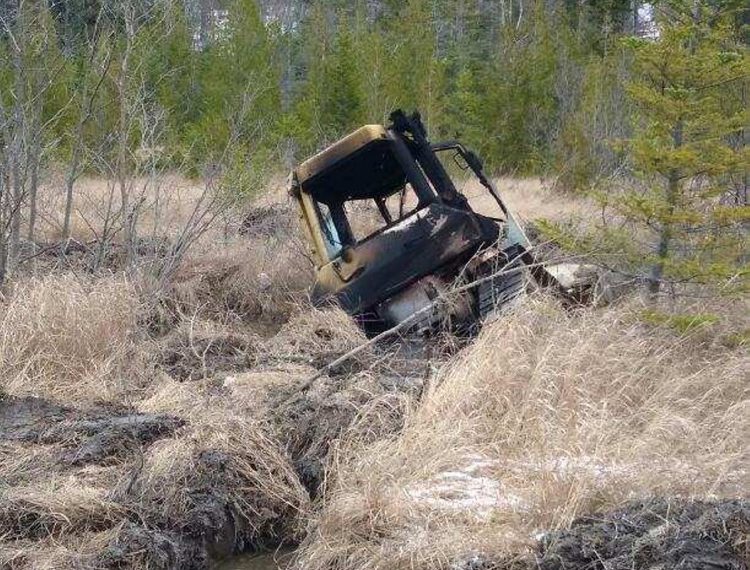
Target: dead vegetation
[548,416]
[164,431]
[70,339]
[142,432]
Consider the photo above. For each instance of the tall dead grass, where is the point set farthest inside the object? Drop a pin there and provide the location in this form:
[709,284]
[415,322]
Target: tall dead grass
[70,339]
[251,281]
[548,415]
[167,201]
[528,198]
[61,504]
[225,463]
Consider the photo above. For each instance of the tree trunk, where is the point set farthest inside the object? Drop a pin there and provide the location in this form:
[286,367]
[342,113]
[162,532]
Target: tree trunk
[34,165]
[665,235]
[18,151]
[70,180]
[121,172]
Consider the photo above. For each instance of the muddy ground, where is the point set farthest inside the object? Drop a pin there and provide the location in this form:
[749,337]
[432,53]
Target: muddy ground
[221,504]
[654,533]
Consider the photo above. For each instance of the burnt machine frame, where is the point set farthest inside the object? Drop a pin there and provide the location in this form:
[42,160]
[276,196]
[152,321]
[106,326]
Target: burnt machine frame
[439,238]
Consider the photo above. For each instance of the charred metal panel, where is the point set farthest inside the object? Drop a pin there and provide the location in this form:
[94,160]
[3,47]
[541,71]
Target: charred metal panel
[341,150]
[433,239]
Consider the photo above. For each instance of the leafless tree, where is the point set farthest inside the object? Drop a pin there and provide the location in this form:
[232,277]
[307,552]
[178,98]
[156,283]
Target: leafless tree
[29,55]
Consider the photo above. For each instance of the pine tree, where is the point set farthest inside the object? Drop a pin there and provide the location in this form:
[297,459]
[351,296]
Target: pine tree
[238,87]
[416,74]
[343,99]
[681,152]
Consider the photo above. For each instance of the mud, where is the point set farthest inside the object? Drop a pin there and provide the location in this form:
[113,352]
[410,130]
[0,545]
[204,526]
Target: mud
[136,546]
[657,533]
[141,529]
[314,420]
[268,221]
[26,419]
[188,356]
[118,436]
[94,436]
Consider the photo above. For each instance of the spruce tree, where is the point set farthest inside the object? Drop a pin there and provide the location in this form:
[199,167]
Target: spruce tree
[681,223]
[676,218]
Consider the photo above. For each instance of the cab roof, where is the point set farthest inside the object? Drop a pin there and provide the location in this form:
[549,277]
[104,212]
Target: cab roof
[339,150]
[359,166]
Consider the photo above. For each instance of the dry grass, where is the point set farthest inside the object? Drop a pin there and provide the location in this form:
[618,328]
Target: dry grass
[528,198]
[315,336]
[54,507]
[224,463]
[69,339]
[548,415]
[253,280]
[167,202]
[198,349]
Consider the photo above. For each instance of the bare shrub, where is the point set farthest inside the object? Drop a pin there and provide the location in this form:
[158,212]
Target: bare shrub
[70,339]
[547,416]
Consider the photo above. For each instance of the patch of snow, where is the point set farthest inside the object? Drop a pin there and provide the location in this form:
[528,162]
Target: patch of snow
[467,488]
[539,535]
[566,466]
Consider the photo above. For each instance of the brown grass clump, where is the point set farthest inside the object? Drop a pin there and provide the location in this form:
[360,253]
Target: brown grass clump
[547,416]
[258,282]
[69,339]
[317,336]
[49,554]
[167,203]
[528,198]
[223,476]
[21,463]
[59,505]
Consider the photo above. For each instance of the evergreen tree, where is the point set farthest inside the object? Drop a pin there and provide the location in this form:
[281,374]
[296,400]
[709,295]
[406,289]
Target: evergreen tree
[343,99]
[238,88]
[677,224]
[415,72]
[681,151]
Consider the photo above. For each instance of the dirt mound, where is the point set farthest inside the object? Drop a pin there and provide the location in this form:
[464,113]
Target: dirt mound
[316,419]
[27,418]
[365,398]
[119,435]
[156,490]
[135,546]
[268,221]
[657,533]
[194,353]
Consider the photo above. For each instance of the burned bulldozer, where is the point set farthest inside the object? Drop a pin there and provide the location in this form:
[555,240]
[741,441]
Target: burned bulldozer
[394,241]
